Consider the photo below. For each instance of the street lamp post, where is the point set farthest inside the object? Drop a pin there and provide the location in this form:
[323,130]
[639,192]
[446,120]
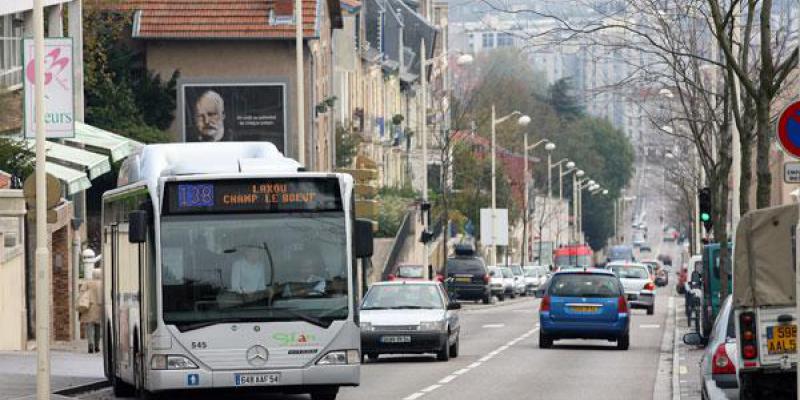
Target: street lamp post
[579,224]
[424,63]
[526,198]
[523,121]
[578,174]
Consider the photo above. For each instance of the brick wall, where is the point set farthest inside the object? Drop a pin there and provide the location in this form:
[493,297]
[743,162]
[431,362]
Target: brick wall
[61,285]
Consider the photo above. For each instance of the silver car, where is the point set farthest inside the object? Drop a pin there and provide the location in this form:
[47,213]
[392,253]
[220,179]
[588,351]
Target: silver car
[720,358]
[639,288]
[410,317]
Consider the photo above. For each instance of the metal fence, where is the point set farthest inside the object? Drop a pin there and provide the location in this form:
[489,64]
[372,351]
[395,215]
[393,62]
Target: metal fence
[10,57]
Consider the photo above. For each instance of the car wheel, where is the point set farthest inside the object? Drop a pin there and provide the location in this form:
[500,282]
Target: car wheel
[623,342]
[651,310]
[372,356]
[513,294]
[444,353]
[545,341]
[327,394]
[501,297]
[487,300]
[454,348]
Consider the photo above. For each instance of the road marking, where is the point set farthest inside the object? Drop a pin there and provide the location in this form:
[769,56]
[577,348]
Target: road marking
[462,371]
[494,326]
[430,388]
[684,370]
[649,326]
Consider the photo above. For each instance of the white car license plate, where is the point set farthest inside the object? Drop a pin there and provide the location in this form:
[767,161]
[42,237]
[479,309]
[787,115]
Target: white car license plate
[258,379]
[395,339]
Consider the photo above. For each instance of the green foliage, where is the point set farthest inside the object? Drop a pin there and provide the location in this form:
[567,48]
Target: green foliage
[346,146]
[563,101]
[393,208]
[16,157]
[122,96]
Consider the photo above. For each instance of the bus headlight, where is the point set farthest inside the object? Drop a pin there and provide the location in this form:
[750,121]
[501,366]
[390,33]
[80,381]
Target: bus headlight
[171,361]
[431,326]
[340,357]
[366,326]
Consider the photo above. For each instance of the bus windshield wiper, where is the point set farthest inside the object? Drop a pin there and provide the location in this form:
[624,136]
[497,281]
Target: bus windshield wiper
[321,322]
[185,327]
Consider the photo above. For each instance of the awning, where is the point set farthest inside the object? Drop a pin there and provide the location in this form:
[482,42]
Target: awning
[118,147]
[74,180]
[83,161]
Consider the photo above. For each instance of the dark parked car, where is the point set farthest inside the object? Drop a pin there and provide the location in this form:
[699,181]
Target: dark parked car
[468,278]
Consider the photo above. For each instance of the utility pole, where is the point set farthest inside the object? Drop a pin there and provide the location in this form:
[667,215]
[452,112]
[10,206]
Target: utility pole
[42,254]
[424,135]
[301,134]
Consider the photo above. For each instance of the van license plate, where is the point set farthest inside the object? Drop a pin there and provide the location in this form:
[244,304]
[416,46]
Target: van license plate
[258,379]
[782,339]
[395,339]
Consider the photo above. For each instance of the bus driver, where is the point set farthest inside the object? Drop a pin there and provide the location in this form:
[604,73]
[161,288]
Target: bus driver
[248,272]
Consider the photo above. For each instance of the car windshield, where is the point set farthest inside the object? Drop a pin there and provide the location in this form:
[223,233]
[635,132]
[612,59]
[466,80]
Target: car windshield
[532,272]
[507,273]
[253,267]
[630,271]
[407,296]
[620,253]
[516,269]
[584,285]
[464,266]
[410,271]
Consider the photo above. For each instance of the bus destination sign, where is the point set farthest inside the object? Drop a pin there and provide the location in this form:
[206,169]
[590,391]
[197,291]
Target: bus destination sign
[249,195]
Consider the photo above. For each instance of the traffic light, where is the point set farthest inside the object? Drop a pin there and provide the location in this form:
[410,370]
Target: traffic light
[704,202]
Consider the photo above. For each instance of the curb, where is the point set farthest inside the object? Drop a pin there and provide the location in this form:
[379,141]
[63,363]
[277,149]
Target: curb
[676,386]
[89,387]
[662,388]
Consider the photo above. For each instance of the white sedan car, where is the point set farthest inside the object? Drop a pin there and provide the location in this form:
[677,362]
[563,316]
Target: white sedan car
[639,288]
[535,276]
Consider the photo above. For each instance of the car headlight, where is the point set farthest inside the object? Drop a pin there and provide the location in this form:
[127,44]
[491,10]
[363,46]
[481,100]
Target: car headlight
[366,326]
[431,326]
[340,357]
[171,361]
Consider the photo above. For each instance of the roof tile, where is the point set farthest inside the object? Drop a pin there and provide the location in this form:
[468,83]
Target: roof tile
[177,19]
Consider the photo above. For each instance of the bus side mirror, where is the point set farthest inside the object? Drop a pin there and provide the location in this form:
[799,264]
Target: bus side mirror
[363,238]
[137,226]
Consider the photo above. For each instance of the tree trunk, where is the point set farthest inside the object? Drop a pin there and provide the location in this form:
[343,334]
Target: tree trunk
[763,174]
[747,172]
[720,215]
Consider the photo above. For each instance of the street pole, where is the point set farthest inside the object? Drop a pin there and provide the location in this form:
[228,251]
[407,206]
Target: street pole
[494,194]
[301,134]
[550,174]
[574,234]
[526,202]
[616,219]
[424,127]
[42,254]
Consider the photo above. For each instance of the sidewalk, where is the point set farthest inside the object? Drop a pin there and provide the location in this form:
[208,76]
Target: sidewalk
[687,366]
[68,369]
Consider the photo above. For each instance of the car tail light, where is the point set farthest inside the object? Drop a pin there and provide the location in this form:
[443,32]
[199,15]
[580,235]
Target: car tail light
[622,305]
[721,363]
[747,328]
[391,277]
[545,304]
[649,286]
[486,278]
[440,277]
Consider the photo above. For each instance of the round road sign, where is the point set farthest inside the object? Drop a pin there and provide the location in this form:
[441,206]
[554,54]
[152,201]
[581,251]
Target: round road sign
[789,129]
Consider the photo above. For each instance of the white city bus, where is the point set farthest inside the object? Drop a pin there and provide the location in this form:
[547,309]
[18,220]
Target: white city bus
[227,266]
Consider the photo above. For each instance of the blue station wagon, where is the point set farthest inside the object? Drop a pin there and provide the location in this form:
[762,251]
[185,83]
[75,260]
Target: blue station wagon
[584,304]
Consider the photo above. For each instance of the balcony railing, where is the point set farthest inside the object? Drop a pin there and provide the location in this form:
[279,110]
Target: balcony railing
[10,63]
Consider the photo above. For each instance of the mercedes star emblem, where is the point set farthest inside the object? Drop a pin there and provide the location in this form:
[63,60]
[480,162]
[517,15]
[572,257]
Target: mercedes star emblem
[257,356]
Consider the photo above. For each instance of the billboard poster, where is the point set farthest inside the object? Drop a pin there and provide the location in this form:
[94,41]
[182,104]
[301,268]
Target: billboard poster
[59,95]
[234,112]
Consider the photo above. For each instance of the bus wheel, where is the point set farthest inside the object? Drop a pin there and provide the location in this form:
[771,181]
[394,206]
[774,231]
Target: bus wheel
[325,394]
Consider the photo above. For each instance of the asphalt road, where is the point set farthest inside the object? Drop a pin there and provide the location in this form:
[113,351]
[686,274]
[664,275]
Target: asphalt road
[500,358]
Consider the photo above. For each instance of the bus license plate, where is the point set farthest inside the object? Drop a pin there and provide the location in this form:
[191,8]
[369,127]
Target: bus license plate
[396,339]
[257,379]
[782,339]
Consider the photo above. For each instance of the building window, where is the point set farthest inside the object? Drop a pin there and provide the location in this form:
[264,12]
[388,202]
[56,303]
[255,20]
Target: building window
[504,40]
[488,40]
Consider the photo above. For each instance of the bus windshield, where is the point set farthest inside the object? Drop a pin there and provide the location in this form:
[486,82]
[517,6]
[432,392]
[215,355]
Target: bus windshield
[254,267]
